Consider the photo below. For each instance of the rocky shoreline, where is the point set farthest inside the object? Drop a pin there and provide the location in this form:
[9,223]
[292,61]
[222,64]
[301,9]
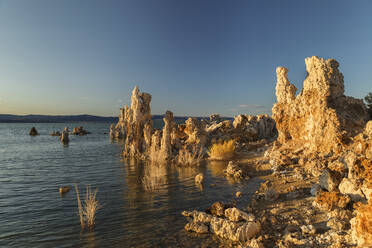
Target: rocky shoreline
[314,155]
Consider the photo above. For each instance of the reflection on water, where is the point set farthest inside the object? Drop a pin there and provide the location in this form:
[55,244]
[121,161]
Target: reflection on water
[217,168]
[32,213]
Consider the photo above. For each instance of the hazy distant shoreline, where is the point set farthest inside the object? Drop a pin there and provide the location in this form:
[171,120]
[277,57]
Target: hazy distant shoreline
[6,118]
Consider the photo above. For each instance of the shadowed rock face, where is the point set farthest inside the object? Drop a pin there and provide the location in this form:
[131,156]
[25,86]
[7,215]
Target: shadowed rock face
[321,117]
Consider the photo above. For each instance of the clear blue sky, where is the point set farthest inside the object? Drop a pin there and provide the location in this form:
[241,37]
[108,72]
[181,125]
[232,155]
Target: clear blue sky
[194,57]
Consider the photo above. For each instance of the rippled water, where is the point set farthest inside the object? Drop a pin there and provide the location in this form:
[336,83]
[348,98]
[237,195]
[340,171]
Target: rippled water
[33,214]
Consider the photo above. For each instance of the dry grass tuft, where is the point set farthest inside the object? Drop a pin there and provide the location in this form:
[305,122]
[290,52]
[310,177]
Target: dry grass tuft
[87,211]
[362,224]
[82,223]
[331,200]
[222,150]
[188,158]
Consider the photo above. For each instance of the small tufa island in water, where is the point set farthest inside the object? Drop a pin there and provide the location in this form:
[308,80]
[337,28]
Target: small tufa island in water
[314,154]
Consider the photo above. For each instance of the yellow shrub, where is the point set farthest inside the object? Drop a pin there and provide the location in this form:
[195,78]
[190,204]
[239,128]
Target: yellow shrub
[222,150]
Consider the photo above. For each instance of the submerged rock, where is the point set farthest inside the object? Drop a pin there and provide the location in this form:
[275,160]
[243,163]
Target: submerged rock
[64,189]
[199,179]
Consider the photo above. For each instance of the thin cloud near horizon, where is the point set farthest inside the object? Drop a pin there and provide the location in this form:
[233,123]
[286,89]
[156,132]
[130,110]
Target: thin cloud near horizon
[251,106]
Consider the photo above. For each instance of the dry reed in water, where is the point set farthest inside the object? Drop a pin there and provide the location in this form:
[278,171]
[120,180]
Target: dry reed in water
[87,212]
[186,157]
[82,223]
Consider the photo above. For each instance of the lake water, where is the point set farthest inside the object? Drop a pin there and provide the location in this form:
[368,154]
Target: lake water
[33,214]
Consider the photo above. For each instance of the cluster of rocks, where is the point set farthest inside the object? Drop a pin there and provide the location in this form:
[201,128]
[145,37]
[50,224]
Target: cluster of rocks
[328,135]
[80,131]
[225,221]
[143,141]
[64,135]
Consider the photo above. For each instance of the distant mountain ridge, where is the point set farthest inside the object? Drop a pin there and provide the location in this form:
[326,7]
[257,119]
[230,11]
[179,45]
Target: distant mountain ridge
[6,118]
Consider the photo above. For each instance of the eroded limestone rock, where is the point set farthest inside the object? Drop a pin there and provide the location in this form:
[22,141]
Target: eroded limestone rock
[321,117]
[64,138]
[136,117]
[162,142]
[235,214]
[233,170]
[350,187]
[197,227]
[238,231]
[195,132]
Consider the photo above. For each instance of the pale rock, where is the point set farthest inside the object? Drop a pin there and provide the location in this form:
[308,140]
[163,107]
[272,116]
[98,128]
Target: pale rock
[351,188]
[339,219]
[235,214]
[235,231]
[199,179]
[254,243]
[197,227]
[308,229]
[166,144]
[198,216]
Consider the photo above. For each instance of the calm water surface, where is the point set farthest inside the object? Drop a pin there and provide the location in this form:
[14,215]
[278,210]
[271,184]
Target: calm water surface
[33,214]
